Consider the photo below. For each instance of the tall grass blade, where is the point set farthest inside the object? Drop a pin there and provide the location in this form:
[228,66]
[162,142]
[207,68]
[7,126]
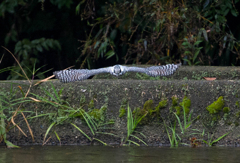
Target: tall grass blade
[49,128]
[57,137]
[180,124]
[139,139]
[133,142]
[10,145]
[18,64]
[100,141]
[81,131]
[169,136]
[86,120]
[214,141]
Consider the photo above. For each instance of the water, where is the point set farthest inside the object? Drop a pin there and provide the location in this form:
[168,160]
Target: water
[102,154]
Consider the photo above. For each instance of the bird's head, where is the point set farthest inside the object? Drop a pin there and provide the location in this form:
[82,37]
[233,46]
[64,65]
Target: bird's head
[117,70]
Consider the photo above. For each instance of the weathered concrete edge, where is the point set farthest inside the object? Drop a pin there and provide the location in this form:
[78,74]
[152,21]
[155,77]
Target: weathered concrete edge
[136,92]
[185,73]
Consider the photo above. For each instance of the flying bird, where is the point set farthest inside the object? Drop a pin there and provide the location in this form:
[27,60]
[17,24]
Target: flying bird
[72,75]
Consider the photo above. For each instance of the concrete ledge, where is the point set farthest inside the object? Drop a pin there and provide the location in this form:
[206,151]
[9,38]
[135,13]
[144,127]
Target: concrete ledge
[117,93]
[185,73]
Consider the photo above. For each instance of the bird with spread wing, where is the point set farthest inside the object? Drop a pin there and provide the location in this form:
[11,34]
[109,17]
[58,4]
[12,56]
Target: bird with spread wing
[72,75]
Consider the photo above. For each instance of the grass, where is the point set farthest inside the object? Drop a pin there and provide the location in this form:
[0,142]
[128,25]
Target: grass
[8,100]
[176,138]
[68,112]
[173,137]
[211,142]
[187,121]
[132,123]
[65,113]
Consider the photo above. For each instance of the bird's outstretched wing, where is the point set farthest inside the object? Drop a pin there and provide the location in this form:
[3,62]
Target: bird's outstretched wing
[154,71]
[72,75]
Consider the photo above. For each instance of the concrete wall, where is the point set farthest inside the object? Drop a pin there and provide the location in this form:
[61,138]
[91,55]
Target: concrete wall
[121,92]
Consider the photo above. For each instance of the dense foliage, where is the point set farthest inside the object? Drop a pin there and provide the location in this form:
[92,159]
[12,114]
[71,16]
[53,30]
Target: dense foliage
[91,33]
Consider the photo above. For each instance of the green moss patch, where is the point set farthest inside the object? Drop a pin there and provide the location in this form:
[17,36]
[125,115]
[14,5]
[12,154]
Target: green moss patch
[184,105]
[151,111]
[216,106]
[122,112]
[226,109]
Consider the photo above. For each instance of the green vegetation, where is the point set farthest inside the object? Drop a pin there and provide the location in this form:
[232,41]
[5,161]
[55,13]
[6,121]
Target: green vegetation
[120,31]
[237,104]
[122,112]
[226,109]
[150,111]
[132,123]
[174,137]
[216,106]
[94,118]
[59,111]
[211,142]
[8,101]
[186,103]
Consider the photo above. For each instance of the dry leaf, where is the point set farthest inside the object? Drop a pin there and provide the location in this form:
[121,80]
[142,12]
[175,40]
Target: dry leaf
[210,79]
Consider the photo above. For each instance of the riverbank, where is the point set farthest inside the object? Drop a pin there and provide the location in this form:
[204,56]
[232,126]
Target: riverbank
[54,108]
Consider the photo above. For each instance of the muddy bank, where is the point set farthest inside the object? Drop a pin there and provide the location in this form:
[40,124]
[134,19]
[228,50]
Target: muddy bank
[114,96]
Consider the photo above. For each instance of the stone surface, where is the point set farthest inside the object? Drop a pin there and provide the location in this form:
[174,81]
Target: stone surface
[122,92]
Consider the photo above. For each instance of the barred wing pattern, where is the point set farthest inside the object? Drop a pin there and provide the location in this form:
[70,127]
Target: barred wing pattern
[162,70]
[72,75]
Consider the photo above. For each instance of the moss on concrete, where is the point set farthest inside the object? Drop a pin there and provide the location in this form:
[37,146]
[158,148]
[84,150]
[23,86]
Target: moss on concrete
[216,106]
[151,95]
[122,112]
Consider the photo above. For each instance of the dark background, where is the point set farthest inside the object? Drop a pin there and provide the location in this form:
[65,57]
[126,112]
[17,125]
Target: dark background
[57,34]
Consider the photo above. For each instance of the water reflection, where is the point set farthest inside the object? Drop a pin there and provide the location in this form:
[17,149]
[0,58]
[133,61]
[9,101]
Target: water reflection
[60,154]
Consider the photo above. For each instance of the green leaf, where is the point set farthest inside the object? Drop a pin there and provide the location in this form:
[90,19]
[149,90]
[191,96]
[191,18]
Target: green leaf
[57,44]
[134,142]
[189,63]
[206,4]
[195,55]
[224,41]
[81,131]
[215,141]
[185,43]
[109,54]
[18,47]
[96,45]
[44,45]
[234,13]
[228,4]
[179,122]
[78,8]
[49,128]
[197,42]
[36,41]
[39,48]
[10,145]
[113,34]
[226,12]
[205,34]
[57,137]
[139,139]
[187,52]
